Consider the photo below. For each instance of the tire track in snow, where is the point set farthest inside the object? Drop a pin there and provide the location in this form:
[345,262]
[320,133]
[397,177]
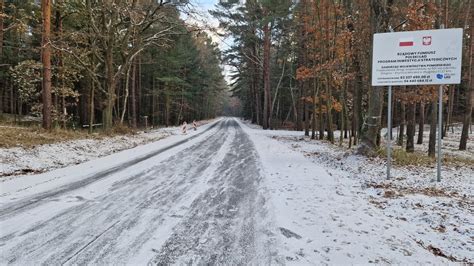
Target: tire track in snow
[90,242]
[142,204]
[225,225]
[12,208]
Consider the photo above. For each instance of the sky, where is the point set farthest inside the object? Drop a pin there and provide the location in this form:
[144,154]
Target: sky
[206,21]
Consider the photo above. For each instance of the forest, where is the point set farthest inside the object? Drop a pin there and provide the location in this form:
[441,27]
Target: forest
[100,64]
[302,65]
[306,65]
[236,132]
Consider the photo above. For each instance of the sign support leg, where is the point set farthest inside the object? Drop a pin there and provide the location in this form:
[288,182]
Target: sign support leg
[389,132]
[440,128]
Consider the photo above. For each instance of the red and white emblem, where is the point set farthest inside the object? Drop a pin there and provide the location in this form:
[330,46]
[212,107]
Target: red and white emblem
[426,40]
[404,42]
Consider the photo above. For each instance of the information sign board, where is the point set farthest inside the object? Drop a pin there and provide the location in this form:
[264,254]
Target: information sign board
[426,57]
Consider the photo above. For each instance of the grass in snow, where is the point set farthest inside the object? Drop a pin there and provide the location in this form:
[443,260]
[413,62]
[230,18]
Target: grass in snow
[31,136]
[403,158]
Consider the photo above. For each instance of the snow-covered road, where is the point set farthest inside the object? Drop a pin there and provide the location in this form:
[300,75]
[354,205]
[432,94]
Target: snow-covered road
[227,194]
[196,202]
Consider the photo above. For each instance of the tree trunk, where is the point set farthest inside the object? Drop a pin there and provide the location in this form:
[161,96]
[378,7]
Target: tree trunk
[253,104]
[266,76]
[60,81]
[346,120]
[126,94]
[133,93]
[138,90]
[306,118]
[313,121]
[329,112]
[449,109]
[2,93]
[372,124]
[411,127]
[258,101]
[46,59]
[153,117]
[91,106]
[321,120]
[401,132]
[255,80]
[344,116]
[12,101]
[293,108]
[421,123]
[180,117]
[92,82]
[301,61]
[467,116]
[167,109]
[3,82]
[380,17]
[299,108]
[470,93]
[1,30]
[313,117]
[357,112]
[110,82]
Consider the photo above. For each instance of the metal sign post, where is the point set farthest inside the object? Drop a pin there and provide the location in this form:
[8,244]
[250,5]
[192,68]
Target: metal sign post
[389,133]
[440,128]
[429,57]
[389,127]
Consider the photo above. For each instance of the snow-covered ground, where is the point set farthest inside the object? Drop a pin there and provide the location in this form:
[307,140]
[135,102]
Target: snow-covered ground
[341,209]
[237,195]
[43,158]
[450,142]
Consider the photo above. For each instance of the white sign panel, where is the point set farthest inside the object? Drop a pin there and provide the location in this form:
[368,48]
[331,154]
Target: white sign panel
[426,57]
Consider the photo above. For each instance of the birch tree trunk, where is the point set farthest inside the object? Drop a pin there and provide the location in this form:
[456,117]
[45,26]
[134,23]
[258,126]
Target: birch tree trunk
[125,97]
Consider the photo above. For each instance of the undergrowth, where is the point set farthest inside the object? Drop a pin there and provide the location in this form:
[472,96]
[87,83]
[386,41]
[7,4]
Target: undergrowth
[402,157]
[31,136]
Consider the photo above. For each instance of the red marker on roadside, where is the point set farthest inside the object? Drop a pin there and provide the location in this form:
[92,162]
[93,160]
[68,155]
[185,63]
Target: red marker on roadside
[184,127]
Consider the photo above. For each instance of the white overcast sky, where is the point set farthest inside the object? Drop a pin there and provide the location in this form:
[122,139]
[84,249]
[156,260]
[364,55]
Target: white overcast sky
[200,16]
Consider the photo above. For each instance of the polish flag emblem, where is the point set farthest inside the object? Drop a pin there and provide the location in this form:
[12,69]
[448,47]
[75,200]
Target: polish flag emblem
[426,40]
[406,42]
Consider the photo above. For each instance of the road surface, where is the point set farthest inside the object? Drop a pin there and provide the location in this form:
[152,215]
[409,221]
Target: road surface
[200,203]
[227,194]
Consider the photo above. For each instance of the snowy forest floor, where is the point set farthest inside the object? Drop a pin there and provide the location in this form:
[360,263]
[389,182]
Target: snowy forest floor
[438,216]
[42,152]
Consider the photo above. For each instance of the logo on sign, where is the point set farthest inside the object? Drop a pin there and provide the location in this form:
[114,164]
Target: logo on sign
[439,76]
[426,40]
[404,42]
